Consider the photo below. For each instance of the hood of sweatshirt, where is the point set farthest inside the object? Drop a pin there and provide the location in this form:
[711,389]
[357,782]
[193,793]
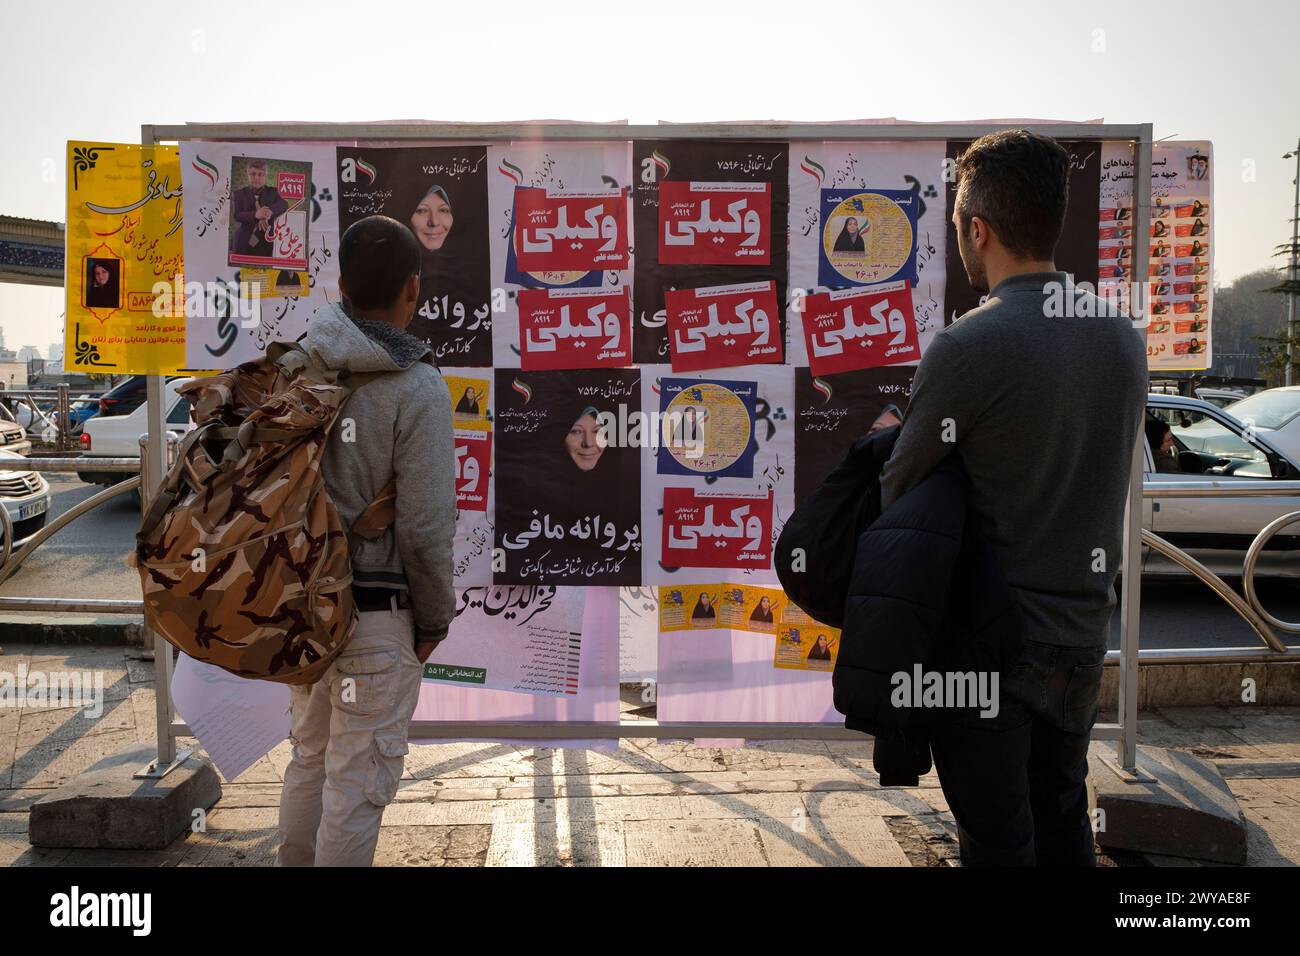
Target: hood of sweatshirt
[337,341]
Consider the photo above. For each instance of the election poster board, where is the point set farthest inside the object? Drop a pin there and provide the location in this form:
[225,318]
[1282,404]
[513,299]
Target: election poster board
[124,304]
[655,349]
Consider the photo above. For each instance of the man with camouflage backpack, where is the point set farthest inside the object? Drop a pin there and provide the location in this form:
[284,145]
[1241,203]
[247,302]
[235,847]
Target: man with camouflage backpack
[349,729]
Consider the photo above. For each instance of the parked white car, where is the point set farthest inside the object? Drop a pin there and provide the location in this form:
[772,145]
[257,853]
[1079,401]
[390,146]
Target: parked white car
[1214,447]
[1275,413]
[118,436]
[25,495]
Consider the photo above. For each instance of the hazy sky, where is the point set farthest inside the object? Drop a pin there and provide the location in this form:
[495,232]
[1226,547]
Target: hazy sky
[1226,72]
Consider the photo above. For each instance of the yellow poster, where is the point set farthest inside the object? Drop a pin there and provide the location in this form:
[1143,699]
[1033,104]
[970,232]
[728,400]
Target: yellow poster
[752,608]
[690,607]
[693,607]
[803,643]
[469,403]
[124,246]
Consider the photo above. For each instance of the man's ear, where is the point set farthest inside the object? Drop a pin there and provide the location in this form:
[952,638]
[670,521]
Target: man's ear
[413,288]
[980,233]
[343,290]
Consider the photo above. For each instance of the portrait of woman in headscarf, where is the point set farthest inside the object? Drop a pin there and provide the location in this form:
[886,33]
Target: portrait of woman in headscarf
[850,237]
[703,610]
[821,651]
[568,471]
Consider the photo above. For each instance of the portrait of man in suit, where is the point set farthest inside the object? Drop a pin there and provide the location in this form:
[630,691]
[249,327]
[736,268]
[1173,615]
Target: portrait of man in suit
[254,212]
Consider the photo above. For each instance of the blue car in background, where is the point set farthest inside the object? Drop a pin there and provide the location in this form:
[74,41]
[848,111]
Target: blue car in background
[121,399]
[80,411]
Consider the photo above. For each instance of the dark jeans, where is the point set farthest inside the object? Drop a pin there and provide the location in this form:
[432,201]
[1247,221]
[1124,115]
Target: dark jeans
[1016,782]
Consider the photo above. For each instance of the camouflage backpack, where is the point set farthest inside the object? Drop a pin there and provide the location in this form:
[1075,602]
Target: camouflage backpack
[243,557]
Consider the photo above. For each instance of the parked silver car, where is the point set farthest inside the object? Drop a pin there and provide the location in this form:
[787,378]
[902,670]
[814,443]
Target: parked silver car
[1214,447]
[25,495]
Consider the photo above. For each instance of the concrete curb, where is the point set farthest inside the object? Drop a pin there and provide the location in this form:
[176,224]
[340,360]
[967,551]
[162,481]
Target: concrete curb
[1272,683]
[119,630]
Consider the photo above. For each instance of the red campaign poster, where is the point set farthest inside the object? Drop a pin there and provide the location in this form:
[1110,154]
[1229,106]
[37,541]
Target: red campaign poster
[860,328]
[715,223]
[570,232]
[716,531]
[722,326]
[574,328]
[473,456]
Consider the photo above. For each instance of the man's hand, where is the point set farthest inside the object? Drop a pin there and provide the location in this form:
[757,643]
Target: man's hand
[424,649]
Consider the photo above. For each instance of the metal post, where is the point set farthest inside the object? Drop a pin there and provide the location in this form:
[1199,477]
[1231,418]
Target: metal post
[65,414]
[1131,587]
[1290,299]
[154,462]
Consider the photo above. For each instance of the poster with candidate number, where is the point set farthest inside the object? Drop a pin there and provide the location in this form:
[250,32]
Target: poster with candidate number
[254,297]
[724,326]
[575,328]
[472,414]
[707,529]
[567,477]
[867,236]
[706,427]
[559,230]
[833,412]
[718,224]
[440,193]
[1076,252]
[531,185]
[123,238]
[705,214]
[695,607]
[861,327]
[524,638]
[852,208]
[804,644]
[713,452]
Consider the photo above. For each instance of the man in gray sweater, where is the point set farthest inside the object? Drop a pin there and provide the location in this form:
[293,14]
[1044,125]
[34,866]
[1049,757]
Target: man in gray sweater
[349,729]
[1041,390]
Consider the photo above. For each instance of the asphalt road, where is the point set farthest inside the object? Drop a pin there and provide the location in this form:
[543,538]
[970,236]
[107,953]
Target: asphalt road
[88,559]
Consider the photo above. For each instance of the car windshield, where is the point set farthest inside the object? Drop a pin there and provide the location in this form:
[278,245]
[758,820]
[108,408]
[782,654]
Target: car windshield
[1271,409]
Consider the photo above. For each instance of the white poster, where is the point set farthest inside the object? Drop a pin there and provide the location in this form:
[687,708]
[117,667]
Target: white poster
[638,634]
[1180,296]
[235,719]
[757,478]
[521,638]
[820,170]
[548,173]
[261,239]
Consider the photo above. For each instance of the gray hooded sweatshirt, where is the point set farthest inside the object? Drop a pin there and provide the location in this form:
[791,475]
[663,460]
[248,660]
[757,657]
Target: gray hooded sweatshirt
[401,425]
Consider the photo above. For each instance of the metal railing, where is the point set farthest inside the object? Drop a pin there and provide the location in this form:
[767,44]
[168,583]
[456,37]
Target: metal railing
[62,410]
[11,561]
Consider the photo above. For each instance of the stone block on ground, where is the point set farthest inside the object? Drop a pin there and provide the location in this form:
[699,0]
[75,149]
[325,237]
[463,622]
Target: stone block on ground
[108,808]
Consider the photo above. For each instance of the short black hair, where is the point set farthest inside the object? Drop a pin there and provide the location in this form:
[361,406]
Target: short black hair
[376,257]
[1018,182]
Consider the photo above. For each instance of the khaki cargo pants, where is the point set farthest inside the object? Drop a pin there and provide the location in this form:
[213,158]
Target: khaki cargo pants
[349,744]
